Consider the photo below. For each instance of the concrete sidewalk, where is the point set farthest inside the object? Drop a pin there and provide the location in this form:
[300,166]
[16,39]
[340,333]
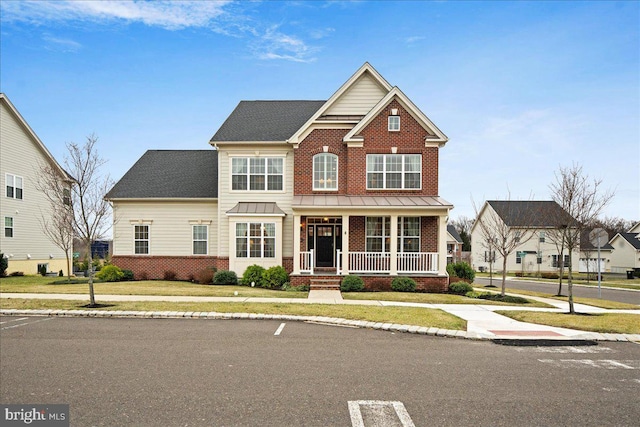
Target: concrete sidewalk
[482,321]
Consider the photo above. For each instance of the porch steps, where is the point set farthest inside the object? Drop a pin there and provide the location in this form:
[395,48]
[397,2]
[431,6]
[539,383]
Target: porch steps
[324,284]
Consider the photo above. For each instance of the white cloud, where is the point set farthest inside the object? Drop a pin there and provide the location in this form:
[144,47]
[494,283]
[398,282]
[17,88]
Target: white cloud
[60,44]
[267,41]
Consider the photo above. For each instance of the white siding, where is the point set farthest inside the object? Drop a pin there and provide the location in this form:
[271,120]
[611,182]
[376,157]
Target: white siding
[624,256]
[20,155]
[227,199]
[170,225]
[363,95]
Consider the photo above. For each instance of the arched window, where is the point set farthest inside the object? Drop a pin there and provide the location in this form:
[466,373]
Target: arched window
[325,171]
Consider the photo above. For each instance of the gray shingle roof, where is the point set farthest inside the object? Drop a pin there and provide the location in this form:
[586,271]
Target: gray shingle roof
[454,233]
[531,213]
[266,120]
[632,238]
[170,174]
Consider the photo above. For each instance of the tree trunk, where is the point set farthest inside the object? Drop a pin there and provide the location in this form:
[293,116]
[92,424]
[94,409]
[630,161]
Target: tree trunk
[570,288]
[68,266]
[504,275]
[561,264]
[92,298]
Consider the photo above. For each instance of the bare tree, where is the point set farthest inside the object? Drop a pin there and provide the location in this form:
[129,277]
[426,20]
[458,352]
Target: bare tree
[557,235]
[613,225]
[583,199]
[57,223]
[503,232]
[91,210]
[463,226]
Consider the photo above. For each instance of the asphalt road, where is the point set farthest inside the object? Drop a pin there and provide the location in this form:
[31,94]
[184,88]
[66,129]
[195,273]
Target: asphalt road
[174,372]
[620,295]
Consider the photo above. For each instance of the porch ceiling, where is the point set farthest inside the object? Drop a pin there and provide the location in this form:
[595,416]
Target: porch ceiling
[338,202]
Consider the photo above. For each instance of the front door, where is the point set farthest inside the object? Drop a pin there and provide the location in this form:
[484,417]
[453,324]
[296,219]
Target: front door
[324,245]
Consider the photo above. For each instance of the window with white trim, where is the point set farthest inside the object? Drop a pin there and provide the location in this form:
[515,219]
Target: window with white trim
[8,226]
[378,232]
[200,239]
[489,256]
[394,123]
[13,184]
[325,171]
[409,234]
[556,258]
[141,239]
[542,237]
[394,171]
[257,173]
[255,240]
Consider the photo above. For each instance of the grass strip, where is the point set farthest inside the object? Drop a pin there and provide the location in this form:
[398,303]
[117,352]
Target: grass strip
[400,315]
[602,303]
[44,285]
[428,298]
[615,323]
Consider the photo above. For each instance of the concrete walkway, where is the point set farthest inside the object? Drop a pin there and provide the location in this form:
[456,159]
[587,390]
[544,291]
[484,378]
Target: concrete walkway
[482,321]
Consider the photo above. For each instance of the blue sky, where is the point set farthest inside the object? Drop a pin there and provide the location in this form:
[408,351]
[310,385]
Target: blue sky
[520,88]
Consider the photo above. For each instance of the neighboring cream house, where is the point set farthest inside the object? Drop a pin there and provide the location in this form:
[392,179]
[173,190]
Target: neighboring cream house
[324,188]
[22,206]
[533,222]
[626,250]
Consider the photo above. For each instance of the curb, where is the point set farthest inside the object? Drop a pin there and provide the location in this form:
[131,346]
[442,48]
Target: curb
[391,327]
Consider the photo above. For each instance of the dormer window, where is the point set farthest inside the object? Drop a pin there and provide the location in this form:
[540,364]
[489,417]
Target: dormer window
[394,123]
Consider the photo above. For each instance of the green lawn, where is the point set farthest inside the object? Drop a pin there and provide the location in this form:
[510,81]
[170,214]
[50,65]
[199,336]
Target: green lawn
[39,284]
[588,301]
[401,315]
[616,323]
[428,298]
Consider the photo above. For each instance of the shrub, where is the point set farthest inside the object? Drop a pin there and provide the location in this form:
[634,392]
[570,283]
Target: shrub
[460,288]
[127,275]
[301,288]
[17,274]
[274,277]
[42,270]
[204,277]
[506,298]
[4,264]
[110,273]
[461,270]
[143,275]
[403,284]
[60,273]
[253,274]
[352,283]
[169,275]
[225,277]
[549,275]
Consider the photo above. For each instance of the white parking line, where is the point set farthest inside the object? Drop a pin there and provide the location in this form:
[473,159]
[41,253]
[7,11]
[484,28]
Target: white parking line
[27,323]
[14,320]
[280,328]
[606,363]
[378,413]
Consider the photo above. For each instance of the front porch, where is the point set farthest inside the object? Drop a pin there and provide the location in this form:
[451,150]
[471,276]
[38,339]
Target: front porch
[372,263]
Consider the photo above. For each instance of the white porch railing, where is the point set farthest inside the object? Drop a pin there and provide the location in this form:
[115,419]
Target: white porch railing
[379,262]
[417,262]
[306,262]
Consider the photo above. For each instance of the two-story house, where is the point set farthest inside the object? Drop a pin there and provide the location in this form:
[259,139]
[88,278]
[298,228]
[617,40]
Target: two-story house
[534,223]
[325,188]
[23,208]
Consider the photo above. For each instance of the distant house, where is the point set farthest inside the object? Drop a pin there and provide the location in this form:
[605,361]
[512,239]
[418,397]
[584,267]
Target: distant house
[626,250]
[537,254]
[21,205]
[324,188]
[454,245]
[589,255]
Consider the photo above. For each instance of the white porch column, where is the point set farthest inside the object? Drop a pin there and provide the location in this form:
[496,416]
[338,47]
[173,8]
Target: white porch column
[296,244]
[393,249]
[442,244]
[345,245]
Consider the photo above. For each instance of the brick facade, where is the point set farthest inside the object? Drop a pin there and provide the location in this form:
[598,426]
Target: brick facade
[154,267]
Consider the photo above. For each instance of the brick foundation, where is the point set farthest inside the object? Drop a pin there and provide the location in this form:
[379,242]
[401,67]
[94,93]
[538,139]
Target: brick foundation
[433,284]
[154,267]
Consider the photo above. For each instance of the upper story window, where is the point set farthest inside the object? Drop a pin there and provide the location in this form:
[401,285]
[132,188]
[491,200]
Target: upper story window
[200,239]
[13,186]
[325,171]
[257,173]
[394,123]
[394,171]
[542,236]
[141,239]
